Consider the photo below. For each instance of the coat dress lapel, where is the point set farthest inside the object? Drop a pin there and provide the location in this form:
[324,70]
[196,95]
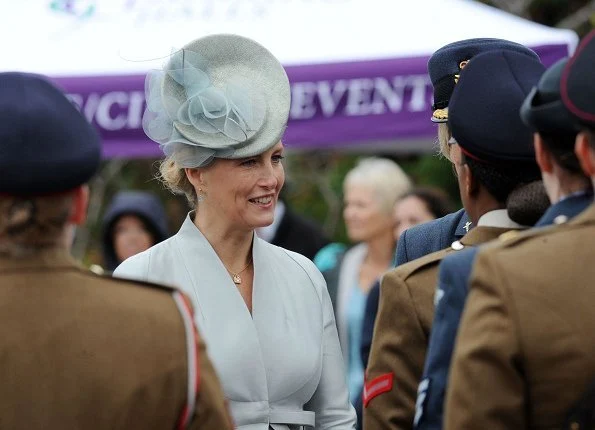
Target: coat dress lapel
[288,331]
[271,355]
[223,318]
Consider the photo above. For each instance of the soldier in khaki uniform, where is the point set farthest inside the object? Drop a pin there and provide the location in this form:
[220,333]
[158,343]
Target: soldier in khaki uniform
[525,351]
[80,351]
[492,158]
[570,192]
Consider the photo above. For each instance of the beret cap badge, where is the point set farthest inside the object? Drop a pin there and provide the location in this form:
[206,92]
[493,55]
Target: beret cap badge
[462,65]
[441,115]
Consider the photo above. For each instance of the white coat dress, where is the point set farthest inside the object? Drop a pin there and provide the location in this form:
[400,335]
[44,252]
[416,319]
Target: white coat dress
[280,367]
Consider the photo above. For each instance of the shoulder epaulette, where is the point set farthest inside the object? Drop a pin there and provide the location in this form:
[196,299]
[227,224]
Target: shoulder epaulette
[509,235]
[139,283]
[563,225]
[515,238]
[408,269]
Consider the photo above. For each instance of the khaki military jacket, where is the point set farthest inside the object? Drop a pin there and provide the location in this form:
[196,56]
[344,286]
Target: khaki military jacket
[81,351]
[401,335]
[525,350]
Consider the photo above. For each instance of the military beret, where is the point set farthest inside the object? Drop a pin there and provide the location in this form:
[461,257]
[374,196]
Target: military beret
[446,63]
[577,86]
[484,109]
[46,145]
[543,109]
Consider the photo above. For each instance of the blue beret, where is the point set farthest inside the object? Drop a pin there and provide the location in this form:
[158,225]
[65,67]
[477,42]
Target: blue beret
[543,110]
[577,84]
[484,109]
[446,64]
[46,145]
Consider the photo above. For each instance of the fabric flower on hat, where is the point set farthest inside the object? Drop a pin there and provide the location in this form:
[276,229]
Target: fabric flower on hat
[184,108]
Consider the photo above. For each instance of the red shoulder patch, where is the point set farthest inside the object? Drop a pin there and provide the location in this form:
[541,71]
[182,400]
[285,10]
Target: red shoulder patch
[375,387]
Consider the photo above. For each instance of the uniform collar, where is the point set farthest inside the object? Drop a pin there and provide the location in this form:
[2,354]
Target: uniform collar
[464,225]
[566,208]
[498,218]
[482,234]
[51,258]
[582,193]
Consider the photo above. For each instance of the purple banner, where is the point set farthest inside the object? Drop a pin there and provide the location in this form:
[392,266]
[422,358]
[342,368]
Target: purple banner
[333,105]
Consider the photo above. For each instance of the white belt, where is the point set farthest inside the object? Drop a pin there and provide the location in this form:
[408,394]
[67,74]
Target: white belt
[301,418]
[254,415]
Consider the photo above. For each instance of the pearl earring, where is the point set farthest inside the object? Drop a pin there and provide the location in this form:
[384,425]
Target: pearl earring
[201,197]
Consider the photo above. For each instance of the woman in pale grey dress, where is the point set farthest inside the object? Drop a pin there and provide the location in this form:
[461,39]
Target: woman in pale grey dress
[219,109]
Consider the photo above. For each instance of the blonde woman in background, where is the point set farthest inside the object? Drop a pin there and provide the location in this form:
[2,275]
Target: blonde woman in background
[370,190]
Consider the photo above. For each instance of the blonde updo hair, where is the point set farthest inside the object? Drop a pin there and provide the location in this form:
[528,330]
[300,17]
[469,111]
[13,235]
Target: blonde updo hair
[382,175]
[174,178]
[444,135]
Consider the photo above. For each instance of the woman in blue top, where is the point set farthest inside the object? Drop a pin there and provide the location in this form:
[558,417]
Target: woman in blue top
[370,191]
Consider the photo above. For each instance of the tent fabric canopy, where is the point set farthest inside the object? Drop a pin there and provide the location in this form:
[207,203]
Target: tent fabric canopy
[357,67]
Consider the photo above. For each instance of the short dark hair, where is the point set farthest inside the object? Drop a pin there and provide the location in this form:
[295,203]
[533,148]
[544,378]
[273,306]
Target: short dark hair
[561,146]
[436,200]
[500,180]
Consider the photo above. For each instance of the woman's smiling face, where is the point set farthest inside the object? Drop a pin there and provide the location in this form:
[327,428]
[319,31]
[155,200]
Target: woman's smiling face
[242,192]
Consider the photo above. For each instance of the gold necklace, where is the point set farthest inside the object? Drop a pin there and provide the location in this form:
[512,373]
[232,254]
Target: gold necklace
[237,279]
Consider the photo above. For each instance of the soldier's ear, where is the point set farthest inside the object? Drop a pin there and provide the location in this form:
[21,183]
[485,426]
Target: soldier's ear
[471,185]
[542,155]
[584,149]
[80,201]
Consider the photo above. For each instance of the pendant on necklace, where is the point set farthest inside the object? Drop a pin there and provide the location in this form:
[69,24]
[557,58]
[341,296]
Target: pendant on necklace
[236,279]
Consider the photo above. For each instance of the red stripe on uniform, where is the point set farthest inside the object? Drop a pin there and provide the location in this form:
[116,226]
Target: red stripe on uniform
[377,386]
[183,420]
[193,359]
[196,340]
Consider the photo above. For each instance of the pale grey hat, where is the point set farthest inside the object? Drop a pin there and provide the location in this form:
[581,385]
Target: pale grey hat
[221,96]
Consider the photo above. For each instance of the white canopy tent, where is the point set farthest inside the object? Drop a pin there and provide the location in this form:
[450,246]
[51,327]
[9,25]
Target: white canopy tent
[357,67]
